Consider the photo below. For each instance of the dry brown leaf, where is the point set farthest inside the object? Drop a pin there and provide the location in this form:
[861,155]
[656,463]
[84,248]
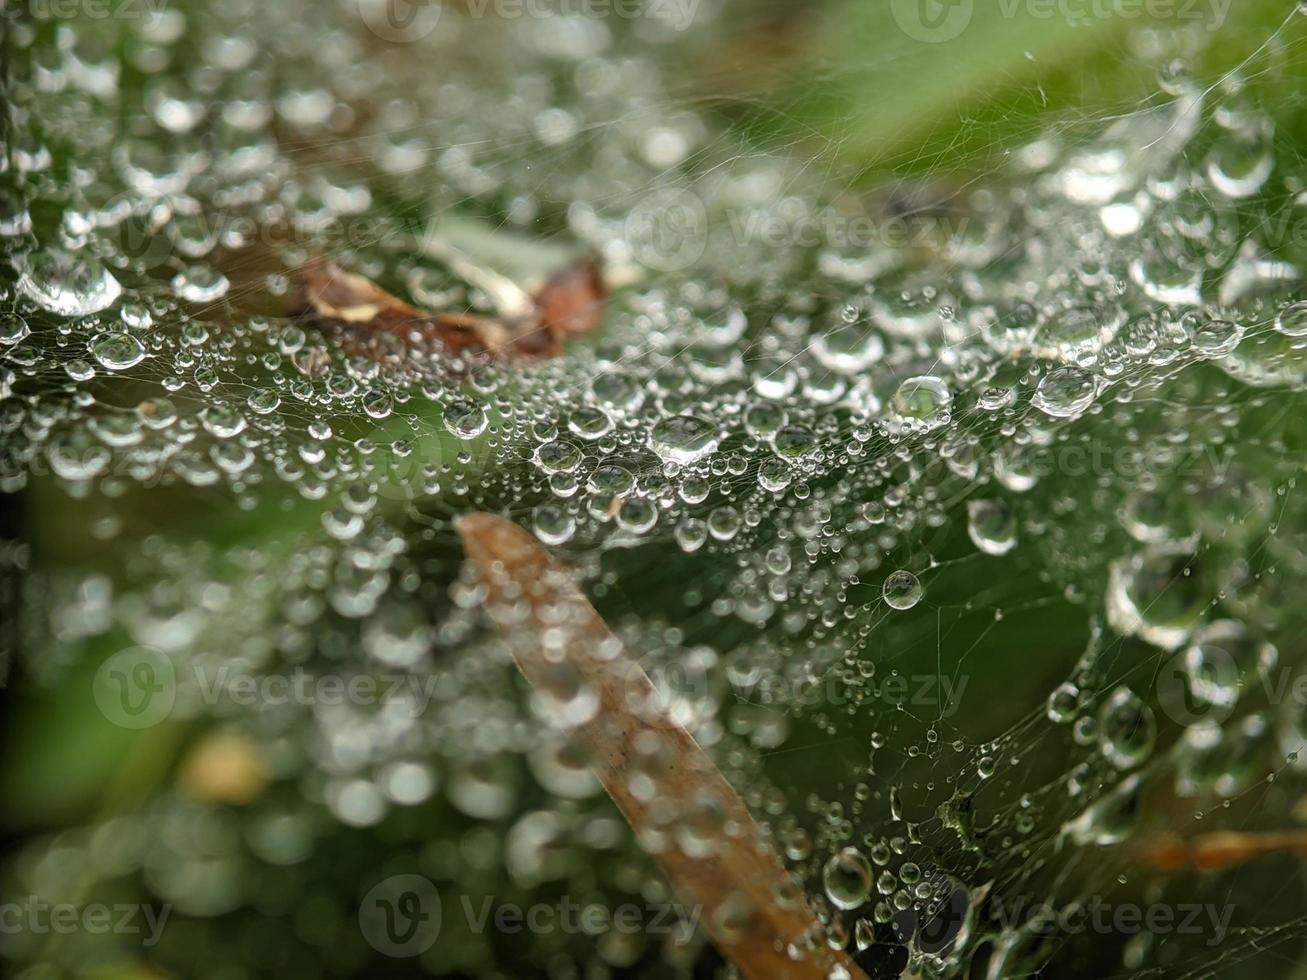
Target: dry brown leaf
[681,807]
[568,304]
[571,302]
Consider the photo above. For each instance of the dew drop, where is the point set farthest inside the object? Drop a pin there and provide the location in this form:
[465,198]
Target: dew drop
[902,590]
[465,419]
[1065,391]
[683,438]
[118,351]
[68,284]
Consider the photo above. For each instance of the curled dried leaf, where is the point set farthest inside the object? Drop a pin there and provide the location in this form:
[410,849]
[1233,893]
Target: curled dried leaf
[681,807]
[571,302]
[568,304]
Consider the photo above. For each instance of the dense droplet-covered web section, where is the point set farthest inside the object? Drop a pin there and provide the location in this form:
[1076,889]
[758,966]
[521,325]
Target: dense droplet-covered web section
[972,563]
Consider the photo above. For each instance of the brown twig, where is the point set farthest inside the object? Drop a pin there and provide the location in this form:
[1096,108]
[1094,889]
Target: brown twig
[679,804]
[1218,850]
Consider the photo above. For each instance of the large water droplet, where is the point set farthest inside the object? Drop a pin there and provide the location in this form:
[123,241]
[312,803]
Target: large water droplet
[465,419]
[1065,391]
[683,438]
[1156,595]
[902,590]
[1126,729]
[200,284]
[991,526]
[848,878]
[118,351]
[68,283]
[921,404]
[1292,321]
[849,348]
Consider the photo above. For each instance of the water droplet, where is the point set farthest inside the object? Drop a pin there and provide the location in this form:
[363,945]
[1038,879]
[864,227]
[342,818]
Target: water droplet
[67,283]
[1155,595]
[465,419]
[921,404]
[992,526]
[1126,729]
[1065,391]
[13,328]
[589,423]
[557,457]
[774,475]
[902,590]
[200,284]
[1242,162]
[848,878]
[849,348]
[1217,337]
[118,351]
[1292,321]
[683,438]
[794,441]
[553,525]
[1063,703]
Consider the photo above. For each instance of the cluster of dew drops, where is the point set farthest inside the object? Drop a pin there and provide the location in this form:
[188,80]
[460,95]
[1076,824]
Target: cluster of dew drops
[802,430]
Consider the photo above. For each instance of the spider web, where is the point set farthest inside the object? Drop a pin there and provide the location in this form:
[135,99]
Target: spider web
[955,515]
